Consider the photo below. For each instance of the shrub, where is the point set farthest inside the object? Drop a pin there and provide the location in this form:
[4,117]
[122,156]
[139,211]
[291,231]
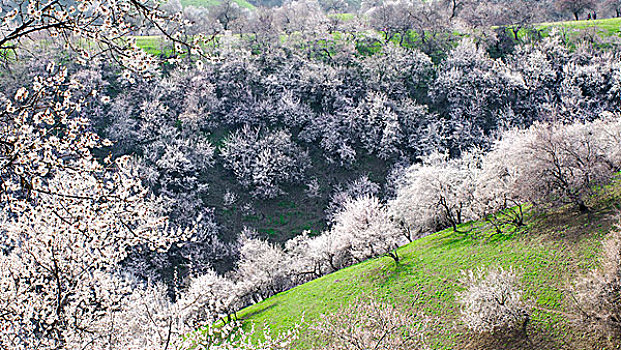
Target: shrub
[370,325]
[369,229]
[492,301]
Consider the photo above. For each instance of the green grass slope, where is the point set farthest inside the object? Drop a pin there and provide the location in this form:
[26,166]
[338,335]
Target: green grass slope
[609,26]
[550,252]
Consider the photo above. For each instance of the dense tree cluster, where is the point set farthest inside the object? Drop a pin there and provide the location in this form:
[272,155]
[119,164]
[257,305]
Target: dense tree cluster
[278,121]
[545,164]
[248,126]
[70,214]
[264,162]
[436,193]
[443,193]
[114,175]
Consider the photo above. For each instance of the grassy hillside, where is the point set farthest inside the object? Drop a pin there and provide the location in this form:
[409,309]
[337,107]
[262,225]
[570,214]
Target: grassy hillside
[608,25]
[550,252]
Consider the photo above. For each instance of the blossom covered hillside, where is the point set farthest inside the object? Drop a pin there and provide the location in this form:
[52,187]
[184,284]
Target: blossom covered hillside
[547,256]
[312,174]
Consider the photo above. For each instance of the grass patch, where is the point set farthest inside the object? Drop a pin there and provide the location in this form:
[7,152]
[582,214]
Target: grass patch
[609,25]
[153,44]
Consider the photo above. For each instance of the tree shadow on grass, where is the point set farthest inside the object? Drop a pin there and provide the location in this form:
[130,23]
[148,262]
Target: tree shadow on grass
[565,224]
[257,312]
[512,341]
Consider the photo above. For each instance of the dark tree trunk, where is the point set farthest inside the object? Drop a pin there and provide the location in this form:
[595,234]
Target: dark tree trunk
[516,31]
[525,329]
[453,9]
[408,233]
[394,256]
[518,215]
[331,261]
[497,224]
[583,207]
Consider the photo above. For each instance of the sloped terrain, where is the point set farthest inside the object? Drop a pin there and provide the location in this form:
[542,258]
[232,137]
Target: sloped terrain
[553,249]
[609,26]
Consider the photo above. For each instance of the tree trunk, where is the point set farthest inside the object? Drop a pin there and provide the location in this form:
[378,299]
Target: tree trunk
[495,223]
[583,207]
[576,15]
[453,9]
[408,234]
[394,256]
[516,30]
[331,261]
[525,328]
[518,216]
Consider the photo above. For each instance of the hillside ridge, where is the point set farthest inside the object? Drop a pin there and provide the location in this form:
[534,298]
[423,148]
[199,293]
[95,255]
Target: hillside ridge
[554,248]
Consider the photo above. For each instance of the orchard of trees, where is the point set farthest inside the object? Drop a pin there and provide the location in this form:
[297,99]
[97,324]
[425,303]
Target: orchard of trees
[134,185]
